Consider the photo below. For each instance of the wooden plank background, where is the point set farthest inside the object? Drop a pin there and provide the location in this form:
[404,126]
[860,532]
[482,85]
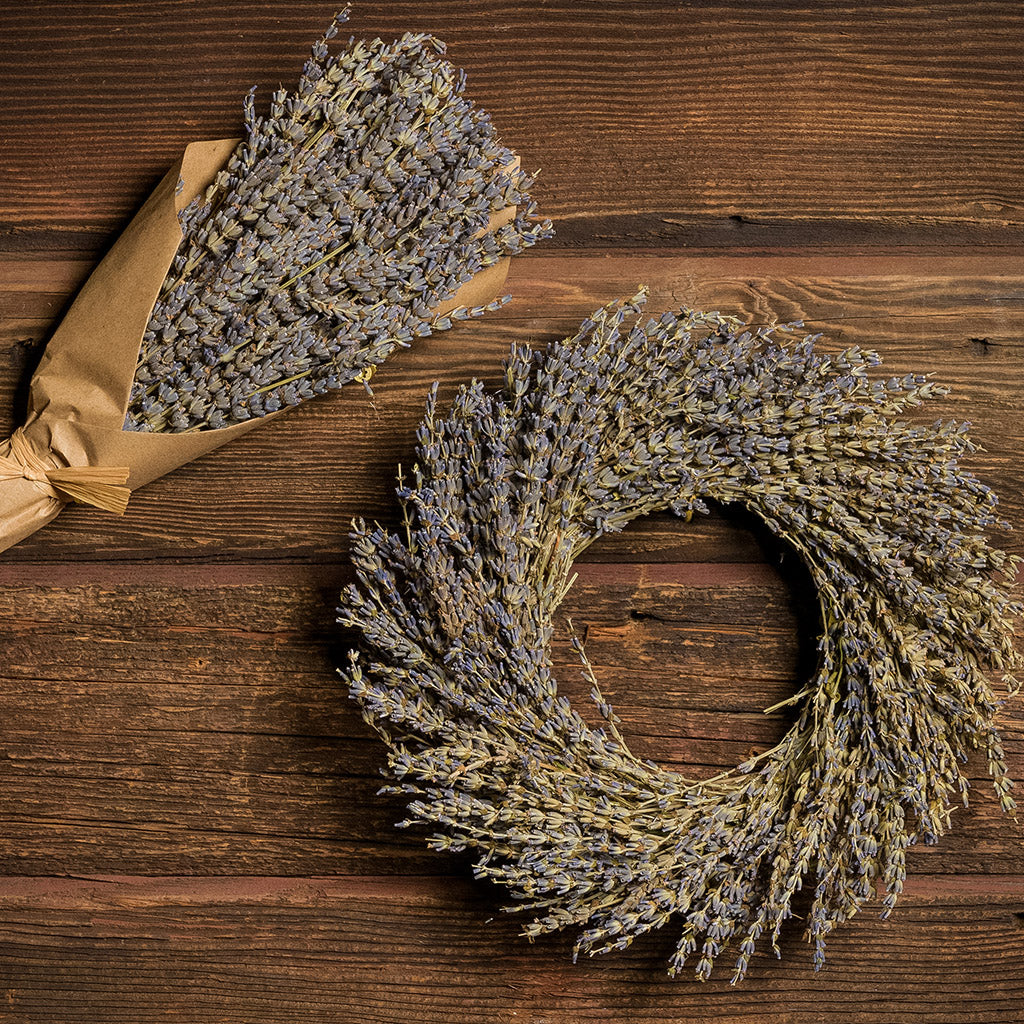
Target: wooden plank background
[189,829]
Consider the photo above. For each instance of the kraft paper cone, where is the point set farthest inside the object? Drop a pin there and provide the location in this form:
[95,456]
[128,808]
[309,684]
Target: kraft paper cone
[71,446]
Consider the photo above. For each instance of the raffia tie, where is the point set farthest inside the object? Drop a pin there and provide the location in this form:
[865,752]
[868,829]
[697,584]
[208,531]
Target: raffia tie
[102,486]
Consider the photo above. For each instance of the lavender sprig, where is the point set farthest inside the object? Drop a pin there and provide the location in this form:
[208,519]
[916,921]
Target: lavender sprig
[456,615]
[339,225]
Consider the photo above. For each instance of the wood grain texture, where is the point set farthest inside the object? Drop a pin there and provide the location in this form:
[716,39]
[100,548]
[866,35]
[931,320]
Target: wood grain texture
[191,722]
[714,117]
[235,951]
[189,823]
[331,460]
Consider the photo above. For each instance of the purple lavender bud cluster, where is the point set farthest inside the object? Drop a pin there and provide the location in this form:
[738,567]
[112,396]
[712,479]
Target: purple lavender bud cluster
[345,217]
[456,612]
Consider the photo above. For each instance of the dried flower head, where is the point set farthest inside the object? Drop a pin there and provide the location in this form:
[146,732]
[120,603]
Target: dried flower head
[456,615]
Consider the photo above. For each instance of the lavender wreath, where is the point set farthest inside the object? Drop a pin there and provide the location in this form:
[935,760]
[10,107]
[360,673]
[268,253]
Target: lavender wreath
[456,614]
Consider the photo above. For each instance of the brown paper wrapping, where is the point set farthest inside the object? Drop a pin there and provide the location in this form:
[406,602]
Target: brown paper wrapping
[78,396]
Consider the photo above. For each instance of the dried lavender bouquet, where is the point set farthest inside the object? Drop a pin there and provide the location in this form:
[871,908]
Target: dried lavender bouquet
[339,226]
[456,613]
[373,204]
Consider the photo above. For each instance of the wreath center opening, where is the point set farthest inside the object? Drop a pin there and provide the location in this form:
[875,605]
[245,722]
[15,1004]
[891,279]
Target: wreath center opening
[700,655]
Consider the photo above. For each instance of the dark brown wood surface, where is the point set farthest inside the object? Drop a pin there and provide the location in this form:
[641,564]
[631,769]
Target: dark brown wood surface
[189,824]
